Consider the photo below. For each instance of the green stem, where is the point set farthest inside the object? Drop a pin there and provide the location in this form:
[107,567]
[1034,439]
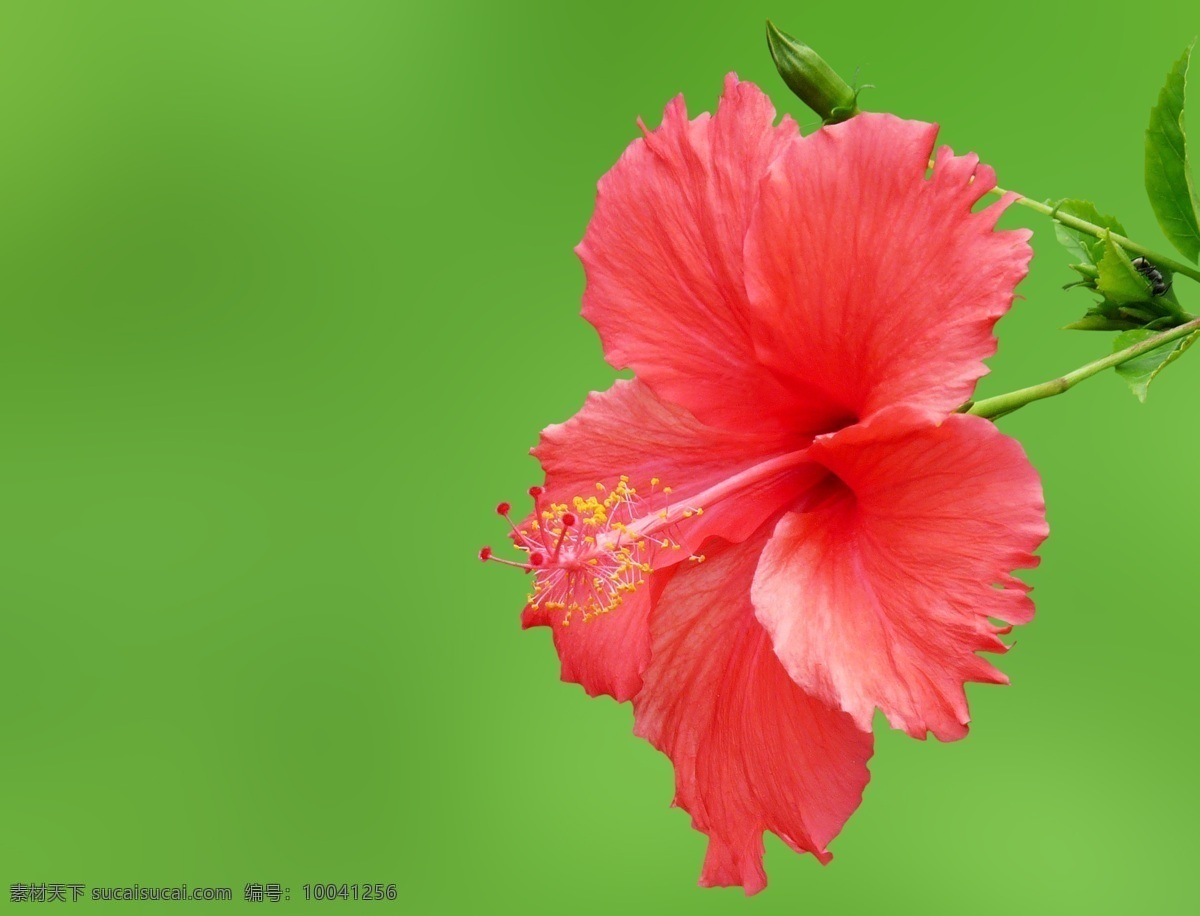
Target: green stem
[1002,404]
[1160,260]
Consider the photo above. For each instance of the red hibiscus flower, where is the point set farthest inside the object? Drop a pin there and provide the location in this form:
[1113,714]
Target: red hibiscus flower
[781,524]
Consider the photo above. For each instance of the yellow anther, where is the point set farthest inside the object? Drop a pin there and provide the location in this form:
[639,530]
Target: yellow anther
[666,489]
[604,535]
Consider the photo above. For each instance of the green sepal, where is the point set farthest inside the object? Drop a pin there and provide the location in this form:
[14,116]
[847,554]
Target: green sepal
[1096,322]
[813,80]
[1142,370]
[1169,182]
[1119,282]
[1141,318]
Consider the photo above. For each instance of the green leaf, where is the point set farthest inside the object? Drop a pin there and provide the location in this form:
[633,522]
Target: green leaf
[1071,240]
[1168,175]
[1084,247]
[1142,370]
[1119,281]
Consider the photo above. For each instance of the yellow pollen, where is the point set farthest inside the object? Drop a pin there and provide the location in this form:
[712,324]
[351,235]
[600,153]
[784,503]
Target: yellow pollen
[587,568]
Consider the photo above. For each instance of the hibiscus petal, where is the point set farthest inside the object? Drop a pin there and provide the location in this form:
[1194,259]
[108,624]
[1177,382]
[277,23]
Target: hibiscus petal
[663,258]
[628,431]
[880,595]
[607,654]
[752,751]
[871,282]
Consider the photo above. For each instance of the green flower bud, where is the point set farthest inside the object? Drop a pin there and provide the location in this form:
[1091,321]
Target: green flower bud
[811,78]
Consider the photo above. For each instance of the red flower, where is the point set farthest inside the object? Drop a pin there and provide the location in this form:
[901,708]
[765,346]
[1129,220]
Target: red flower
[781,524]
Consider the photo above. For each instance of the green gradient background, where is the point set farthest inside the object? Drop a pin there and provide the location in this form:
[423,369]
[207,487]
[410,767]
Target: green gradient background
[288,290]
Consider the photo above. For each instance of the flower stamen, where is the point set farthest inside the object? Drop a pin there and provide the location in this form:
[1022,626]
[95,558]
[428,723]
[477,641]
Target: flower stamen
[589,554]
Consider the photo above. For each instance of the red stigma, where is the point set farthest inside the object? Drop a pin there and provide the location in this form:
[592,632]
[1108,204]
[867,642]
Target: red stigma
[537,559]
[535,492]
[568,519]
[503,508]
[485,553]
